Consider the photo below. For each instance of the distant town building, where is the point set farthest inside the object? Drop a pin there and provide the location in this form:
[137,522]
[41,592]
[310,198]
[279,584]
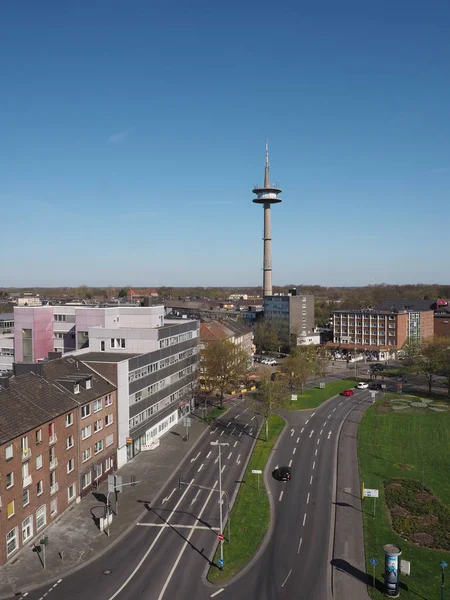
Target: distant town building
[235,332]
[293,312]
[6,342]
[139,295]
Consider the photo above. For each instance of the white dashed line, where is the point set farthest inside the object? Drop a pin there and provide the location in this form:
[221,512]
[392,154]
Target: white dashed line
[246,425]
[302,430]
[307,421]
[282,585]
[324,423]
[329,416]
[236,416]
[304,519]
[281,496]
[222,432]
[218,592]
[329,434]
[235,444]
[200,468]
[307,499]
[321,431]
[318,440]
[209,454]
[298,439]
[229,456]
[240,433]
[313,414]
[250,431]
[310,481]
[232,431]
[340,403]
[253,418]
[223,468]
[229,423]
[315,452]
[299,545]
[292,432]
[293,451]
[314,464]
[290,463]
[310,435]
[333,409]
[195,499]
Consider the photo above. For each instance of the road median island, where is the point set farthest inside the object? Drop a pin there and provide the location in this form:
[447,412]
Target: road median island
[314,397]
[250,515]
[404,452]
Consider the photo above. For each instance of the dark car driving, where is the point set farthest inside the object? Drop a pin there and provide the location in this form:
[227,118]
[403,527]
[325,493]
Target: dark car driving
[282,473]
[375,386]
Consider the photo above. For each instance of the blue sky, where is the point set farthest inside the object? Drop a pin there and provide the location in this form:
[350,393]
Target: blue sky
[132,133]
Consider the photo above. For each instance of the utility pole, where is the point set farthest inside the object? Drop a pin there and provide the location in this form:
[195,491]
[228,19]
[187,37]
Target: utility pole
[219,444]
[114,486]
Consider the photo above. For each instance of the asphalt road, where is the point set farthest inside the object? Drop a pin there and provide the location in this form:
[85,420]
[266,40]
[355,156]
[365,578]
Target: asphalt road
[166,556]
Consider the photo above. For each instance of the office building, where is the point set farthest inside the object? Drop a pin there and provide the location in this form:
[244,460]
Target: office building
[292,314]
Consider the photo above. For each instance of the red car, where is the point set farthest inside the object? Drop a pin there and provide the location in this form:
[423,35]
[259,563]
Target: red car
[347,393]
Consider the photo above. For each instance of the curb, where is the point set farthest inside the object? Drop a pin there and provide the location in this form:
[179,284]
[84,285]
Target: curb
[28,589]
[271,527]
[330,576]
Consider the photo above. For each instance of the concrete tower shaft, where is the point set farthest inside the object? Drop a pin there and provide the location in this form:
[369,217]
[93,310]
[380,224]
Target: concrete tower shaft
[266,196]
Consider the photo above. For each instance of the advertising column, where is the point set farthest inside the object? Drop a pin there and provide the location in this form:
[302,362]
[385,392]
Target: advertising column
[392,569]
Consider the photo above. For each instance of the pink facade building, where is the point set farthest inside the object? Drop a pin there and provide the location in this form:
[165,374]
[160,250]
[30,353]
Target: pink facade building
[33,333]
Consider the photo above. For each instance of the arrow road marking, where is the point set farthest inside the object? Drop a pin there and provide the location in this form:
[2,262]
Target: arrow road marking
[292,432]
[144,558]
[196,496]
[250,431]
[310,435]
[238,462]
[169,496]
[329,434]
[211,432]
[281,495]
[195,458]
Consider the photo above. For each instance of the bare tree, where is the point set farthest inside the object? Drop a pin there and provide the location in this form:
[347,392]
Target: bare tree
[299,365]
[425,358]
[270,397]
[222,365]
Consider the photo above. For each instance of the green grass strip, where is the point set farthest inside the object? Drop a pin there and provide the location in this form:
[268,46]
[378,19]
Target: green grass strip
[215,413]
[314,397]
[250,515]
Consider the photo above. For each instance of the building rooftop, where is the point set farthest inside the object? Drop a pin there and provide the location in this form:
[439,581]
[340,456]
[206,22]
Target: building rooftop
[7,316]
[408,305]
[28,402]
[108,357]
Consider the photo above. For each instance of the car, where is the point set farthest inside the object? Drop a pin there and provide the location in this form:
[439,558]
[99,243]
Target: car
[347,393]
[271,362]
[375,386]
[362,385]
[282,473]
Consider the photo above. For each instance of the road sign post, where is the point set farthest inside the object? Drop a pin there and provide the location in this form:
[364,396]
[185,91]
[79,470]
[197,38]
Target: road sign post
[257,472]
[368,493]
[43,543]
[220,562]
[373,562]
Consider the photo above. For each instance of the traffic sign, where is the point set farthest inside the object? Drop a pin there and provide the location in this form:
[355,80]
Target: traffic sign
[257,471]
[220,536]
[220,562]
[373,562]
[370,493]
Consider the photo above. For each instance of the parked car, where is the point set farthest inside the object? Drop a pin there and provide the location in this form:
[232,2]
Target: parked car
[282,473]
[347,393]
[375,386]
[362,385]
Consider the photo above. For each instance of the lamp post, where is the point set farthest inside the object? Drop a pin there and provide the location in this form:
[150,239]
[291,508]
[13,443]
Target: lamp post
[219,444]
[443,566]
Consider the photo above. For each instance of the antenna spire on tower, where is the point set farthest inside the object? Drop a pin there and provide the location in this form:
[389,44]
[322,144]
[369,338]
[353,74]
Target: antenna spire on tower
[266,173]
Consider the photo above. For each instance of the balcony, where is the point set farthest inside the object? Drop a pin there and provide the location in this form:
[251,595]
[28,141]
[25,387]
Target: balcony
[52,439]
[53,464]
[54,489]
[26,454]
[26,481]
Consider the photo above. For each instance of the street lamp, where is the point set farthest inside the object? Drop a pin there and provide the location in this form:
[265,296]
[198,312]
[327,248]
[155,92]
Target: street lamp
[443,566]
[219,444]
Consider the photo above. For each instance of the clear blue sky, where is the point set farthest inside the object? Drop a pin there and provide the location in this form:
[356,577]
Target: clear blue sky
[132,133]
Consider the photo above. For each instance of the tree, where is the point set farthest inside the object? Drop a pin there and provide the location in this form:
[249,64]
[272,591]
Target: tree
[267,336]
[270,397]
[222,365]
[322,360]
[425,357]
[299,365]
[123,293]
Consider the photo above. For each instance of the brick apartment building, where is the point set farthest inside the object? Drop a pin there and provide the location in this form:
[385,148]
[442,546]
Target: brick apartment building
[38,459]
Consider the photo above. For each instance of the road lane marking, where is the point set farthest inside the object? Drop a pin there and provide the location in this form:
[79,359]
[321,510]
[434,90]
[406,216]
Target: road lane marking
[178,526]
[333,409]
[314,464]
[304,519]
[321,431]
[302,430]
[307,421]
[329,434]
[196,496]
[281,496]
[223,431]
[246,425]
[298,439]
[235,444]
[312,414]
[195,458]
[315,452]
[307,499]
[229,423]
[236,416]
[292,432]
[209,454]
[232,431]
[340,403]
[299,545]
[310,481]
[290,463]
[152,545]
[240,433]
[218,592]
[229,456]
[200,468]
[318,440]
[169,496]
[211,432]
[310,435]
[329,416]
[238,462]
[324,424]
[175,564]
[253,418]
[223,468]
[293,451]
[246,410]
[282,585]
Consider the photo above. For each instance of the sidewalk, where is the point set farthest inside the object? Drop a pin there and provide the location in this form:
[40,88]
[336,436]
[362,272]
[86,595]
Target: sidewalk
[75,533]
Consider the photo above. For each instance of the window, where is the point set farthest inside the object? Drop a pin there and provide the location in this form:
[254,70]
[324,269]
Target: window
[26,479]
[70,465]
[109,463]
[85,411]
[86,480]
[38,436]
[88,384]
[39,461]
[25,497]
[25,445]
[11,541]
[109,419]
[98,446]
[108,400]
[41,517]
[86,432]
[9,452]
[86,455]
[54,507]
[10,509]
[51,433]
[39,487]
[71,492]
[98,470]
[52,479]
[109,440]
[102,346]
[9,480]
[27,529]
[117,343]
[69,442]
[97,405]
[98,425]
[69,419]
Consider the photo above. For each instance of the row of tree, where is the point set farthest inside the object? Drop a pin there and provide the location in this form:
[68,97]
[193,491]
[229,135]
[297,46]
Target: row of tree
[430,358]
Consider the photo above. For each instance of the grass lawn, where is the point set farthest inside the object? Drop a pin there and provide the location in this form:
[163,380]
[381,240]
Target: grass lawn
[313,397]
[215,413]
[250,515]
[411,443]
